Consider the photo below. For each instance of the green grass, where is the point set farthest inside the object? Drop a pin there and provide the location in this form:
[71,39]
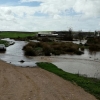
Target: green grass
[6,43]
[90,85]
[8,34]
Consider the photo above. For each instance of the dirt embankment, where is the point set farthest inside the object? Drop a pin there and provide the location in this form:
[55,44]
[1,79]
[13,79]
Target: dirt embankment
[18,83]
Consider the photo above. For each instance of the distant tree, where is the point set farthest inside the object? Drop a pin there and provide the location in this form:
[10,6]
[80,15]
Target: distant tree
[99,33]
[89,33]
[70,35]
[95,33]
[80,35]
[70,31]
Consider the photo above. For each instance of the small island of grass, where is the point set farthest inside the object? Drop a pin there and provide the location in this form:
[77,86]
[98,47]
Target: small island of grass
[6,43]
[51,48]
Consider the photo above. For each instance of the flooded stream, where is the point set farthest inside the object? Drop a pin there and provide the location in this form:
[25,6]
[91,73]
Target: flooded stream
[14,54]
[87,64]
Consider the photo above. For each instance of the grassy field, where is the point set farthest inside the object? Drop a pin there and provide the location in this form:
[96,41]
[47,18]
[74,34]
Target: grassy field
[90,85]
[8,34]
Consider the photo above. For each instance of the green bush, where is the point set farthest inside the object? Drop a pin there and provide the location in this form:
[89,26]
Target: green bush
[6,43]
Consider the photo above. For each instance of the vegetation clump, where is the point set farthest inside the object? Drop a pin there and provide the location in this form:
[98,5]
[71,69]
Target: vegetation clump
[93,43]
[48,48]
[90,85]
[6,43]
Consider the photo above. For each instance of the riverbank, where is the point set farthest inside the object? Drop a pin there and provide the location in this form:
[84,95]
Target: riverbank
[90,85]
[17,83]
[74,64]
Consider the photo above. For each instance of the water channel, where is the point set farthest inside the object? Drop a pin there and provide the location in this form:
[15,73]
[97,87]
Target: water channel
[87,64]
[14,54]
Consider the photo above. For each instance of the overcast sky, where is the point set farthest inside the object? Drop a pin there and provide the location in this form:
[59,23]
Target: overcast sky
[49,15]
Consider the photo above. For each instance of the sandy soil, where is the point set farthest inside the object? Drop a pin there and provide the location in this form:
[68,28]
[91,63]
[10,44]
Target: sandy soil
[17,83]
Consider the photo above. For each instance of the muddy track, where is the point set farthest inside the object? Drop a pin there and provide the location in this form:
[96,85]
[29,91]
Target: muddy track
[17,83]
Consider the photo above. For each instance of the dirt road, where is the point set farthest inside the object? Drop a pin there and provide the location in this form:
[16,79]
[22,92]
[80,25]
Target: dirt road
[18,83]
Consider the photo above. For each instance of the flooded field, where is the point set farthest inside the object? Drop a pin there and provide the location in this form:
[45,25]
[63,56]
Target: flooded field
[14,54]
[87,64]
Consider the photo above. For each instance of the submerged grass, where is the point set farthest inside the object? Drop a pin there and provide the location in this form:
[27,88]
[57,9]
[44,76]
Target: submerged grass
[6,43]
[90,85]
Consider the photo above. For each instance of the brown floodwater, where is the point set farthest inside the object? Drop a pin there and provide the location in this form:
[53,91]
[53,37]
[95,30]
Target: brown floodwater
[87,64]
[14,54]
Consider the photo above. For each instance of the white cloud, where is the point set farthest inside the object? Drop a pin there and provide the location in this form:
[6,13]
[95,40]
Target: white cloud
[86,15]
[87,7]
[30,0]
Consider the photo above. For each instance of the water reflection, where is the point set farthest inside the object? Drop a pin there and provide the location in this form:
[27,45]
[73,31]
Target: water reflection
[88,63]
[85,67]
[14,54]
[78,41]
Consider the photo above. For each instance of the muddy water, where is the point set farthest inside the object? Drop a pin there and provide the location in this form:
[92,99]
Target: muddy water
[14,54]
[87,64]
[84,67]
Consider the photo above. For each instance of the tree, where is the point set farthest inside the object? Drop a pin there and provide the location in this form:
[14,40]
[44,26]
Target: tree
[70,34]
[80,36]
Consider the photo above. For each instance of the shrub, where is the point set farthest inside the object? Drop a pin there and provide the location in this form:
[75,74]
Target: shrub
[56,52]
[31,44]
[56,48]
[30,51]
[39,44]
[94,48]
[47,50]
[79,52]
[82,48]
[45,39]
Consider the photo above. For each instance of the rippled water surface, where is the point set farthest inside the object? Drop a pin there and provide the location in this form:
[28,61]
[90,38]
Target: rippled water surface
[14,54]
[86,64]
